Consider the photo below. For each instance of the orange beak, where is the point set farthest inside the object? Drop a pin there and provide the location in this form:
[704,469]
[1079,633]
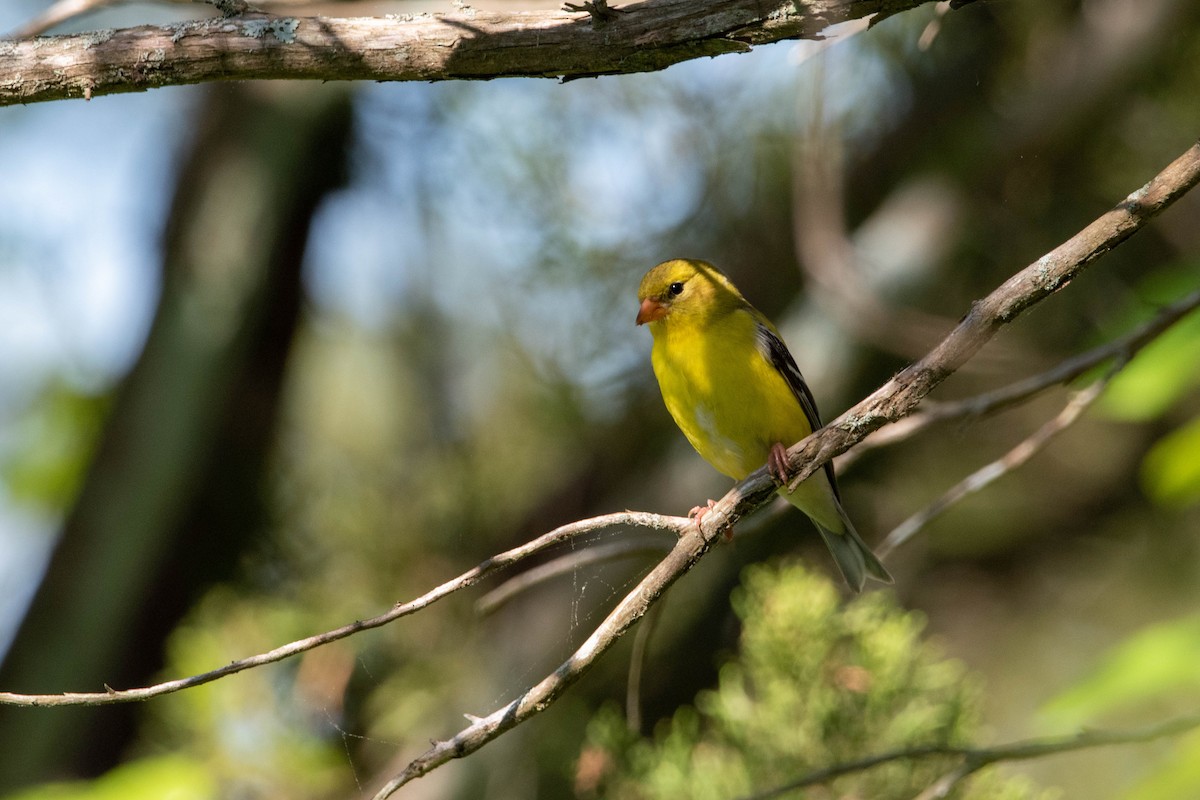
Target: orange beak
[651,311]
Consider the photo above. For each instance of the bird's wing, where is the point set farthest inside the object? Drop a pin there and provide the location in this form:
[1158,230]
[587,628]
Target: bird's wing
[775,351]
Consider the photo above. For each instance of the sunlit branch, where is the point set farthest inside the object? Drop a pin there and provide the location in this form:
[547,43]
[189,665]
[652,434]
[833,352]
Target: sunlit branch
[895,399]
[1001,466]
[465,44]
[974,759]
[466,579]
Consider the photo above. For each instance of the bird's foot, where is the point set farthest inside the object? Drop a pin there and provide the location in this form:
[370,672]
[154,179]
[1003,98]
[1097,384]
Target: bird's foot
[777,464]
[698,513]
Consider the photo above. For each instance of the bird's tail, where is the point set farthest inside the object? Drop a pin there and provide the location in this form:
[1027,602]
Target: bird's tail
[852,555]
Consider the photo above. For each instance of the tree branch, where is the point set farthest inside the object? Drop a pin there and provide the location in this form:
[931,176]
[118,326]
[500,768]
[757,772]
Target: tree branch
[1123,349]
[1027,388]
[891,401]
[1022,291]
[468,578]
[975,759]
[464,44]
[1001,466]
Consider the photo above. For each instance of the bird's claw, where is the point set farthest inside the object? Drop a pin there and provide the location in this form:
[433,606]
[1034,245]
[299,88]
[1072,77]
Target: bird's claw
[698,513]
[777,464]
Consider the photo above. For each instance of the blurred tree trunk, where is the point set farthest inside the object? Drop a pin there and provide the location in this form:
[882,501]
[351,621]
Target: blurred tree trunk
[173,496]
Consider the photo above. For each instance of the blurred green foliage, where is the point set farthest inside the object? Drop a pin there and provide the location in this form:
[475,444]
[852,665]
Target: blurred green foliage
[51,446]
[814,684]
[1149,675]
[1151,665]
[1158,379]
[165,777]
[1171,470]
[1167,369]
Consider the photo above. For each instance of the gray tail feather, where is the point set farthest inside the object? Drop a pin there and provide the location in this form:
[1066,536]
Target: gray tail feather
[853,557]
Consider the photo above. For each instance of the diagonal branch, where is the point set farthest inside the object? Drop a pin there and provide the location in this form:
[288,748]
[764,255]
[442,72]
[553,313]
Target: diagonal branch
[1027,388]
[468,578]
[467,44]
[891,401]
[1122,349]
[1019,293]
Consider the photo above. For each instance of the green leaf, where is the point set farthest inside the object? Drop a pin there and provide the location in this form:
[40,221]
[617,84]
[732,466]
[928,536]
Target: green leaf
[1156,662]
[1158,376]
[1168,367]
[174,777]
[54,441]
[1171,470]
[1178,776]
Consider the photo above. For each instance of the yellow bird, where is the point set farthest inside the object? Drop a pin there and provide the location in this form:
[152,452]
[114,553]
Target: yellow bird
[735,391]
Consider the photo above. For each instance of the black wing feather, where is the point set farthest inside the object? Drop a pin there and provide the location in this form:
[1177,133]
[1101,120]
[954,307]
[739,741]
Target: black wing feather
[776,352]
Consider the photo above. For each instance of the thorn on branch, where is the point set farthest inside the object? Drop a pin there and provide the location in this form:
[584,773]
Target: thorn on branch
[599,10]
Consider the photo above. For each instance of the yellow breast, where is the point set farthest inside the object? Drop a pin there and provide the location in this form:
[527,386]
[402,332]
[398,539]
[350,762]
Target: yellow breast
[725,396]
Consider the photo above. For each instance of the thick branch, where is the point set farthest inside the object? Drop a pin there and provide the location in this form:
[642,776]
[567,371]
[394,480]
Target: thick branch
[465,44]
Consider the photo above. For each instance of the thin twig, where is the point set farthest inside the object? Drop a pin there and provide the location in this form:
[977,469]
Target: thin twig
[975,759]
[893,400]
[687,551]
[637,664]
[468,578]
[1001,466]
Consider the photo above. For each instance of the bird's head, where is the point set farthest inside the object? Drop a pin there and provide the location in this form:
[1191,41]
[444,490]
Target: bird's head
[684,288]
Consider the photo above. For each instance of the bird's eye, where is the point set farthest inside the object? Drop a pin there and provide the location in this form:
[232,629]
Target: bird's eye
[675,289]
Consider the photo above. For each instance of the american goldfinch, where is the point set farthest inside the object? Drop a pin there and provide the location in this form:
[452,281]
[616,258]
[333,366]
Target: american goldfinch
[734,390]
